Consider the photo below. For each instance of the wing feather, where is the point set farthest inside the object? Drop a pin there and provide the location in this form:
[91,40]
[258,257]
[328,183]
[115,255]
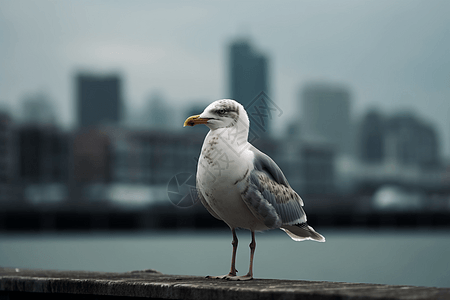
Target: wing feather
[269,196]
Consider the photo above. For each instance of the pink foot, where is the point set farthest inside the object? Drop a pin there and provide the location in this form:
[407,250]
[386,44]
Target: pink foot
[239,278]
[221,277]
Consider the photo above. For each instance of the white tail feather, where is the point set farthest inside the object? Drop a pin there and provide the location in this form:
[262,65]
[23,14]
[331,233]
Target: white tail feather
[302,233]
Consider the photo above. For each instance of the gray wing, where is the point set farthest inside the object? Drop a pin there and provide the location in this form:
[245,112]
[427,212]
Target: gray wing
[269,196]
[205,204]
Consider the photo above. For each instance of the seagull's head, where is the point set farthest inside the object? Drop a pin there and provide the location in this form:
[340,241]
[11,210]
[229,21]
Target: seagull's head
[223,113]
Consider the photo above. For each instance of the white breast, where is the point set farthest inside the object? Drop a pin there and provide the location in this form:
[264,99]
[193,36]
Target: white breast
[222,165]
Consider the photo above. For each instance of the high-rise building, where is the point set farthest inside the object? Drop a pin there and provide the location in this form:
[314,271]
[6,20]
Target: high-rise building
[8,159]
[412,142]
[99,99]
[402,138]
[248,78]
[43,161]
[43,154]
[91,156]
[326,115]
[371,138]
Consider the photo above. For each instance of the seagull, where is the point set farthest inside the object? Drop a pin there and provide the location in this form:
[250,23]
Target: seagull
[241,185]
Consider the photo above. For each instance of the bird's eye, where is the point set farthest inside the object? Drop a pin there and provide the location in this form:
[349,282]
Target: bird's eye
[221,111]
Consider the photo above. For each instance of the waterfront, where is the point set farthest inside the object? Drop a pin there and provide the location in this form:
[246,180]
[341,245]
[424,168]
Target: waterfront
[406,257]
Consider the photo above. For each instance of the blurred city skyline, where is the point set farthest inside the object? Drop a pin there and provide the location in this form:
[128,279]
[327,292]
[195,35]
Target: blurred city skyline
[392,56]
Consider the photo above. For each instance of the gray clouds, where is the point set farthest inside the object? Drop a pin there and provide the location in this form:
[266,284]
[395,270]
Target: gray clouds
[391,54]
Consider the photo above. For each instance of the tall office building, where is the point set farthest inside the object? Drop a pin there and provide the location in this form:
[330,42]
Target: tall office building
[371,138]
[8,159]
[99,99]
[326,115]
[43,154]
[91,156]
[248,77]
[409,141]
[401,138]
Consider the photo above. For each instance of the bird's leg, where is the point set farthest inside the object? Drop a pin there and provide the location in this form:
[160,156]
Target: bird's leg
[233,270]
[252,254]
[249,275]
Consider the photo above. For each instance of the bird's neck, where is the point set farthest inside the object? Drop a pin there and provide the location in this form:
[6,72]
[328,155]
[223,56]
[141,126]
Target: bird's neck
[223,154]
[234,138]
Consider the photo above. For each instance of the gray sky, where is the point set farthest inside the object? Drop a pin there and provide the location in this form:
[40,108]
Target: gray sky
[393,55]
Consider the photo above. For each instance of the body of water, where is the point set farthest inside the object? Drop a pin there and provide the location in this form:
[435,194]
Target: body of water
[409,257]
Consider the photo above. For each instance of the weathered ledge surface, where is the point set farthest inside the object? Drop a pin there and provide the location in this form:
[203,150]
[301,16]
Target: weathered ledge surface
[25,284]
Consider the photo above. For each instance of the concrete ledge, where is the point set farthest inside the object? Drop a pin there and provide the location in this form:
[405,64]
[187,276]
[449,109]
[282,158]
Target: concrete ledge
[21,284]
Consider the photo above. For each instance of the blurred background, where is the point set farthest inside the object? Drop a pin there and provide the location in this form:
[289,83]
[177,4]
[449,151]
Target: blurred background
[96,169]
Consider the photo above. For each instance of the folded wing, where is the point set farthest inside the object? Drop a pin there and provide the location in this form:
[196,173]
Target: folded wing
[271,199]
[269,195]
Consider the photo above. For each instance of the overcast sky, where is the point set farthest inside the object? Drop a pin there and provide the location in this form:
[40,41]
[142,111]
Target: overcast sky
[392,55]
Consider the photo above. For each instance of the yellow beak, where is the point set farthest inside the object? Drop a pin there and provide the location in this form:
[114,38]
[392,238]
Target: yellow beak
[195,120]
